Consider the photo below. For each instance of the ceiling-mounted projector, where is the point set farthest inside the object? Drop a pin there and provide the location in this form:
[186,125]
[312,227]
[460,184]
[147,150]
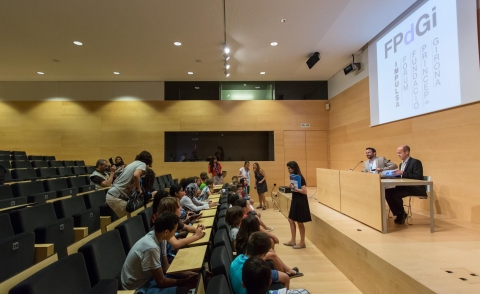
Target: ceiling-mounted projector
[352,66]
[313,60]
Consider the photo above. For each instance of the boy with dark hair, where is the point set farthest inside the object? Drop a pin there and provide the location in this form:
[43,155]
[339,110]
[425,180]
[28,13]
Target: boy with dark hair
[256,276]
[232,198]
[146,262]
[206,191]
[203,177]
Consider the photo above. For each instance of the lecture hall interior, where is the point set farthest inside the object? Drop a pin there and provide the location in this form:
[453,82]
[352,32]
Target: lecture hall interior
[269,82]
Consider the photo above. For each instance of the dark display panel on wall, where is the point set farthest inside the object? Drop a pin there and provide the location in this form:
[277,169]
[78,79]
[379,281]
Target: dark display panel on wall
[236,146]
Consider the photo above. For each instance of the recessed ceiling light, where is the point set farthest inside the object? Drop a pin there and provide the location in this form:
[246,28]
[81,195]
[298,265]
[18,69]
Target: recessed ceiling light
[227,58]
[262,72]
[78,43]
[226,50]
[40,72]
[177,43]
[116,73]
[257,87]
[227,75]
[190,72]
[274,44]
[244,85]
[197,88]
[227,66]
[283,20]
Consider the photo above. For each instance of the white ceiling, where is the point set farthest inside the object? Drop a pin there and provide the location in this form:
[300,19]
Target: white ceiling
[136,38]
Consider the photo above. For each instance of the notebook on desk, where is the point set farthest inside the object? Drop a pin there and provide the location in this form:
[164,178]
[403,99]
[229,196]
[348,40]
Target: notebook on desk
[389,174]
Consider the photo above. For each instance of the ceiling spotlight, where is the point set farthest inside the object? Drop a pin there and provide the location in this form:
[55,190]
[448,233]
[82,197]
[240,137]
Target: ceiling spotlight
[227,66]
[227,58]
[283,20]
[257,87]
[177,43]
[274,44]
[78,43]
[40,72]
[190,72]
[227,75]
[197,88]
[262,72]
[226,49]
[116,73]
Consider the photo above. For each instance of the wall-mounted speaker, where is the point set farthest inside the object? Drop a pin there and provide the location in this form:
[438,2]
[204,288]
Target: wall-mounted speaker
[313,60]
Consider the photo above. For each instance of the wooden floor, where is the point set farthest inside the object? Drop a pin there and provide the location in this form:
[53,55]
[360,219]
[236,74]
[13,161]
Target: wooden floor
[411,249]
[321,276]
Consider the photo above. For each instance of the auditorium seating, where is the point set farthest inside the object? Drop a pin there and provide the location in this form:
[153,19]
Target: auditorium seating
[90,169]
[54,163]
[79,163]
[23,174]
[131,231]
[68,275]
[18,157]
[39,163]
[35,157]
[64,171]
[34,191]
[96,199]
[42,220]
[68,163]
[146,216]
[78,170]
[104,257]
[7,199]
[21,164]
[220,262]
[60,186]
[222,238]
[17,253]
[218,284]
[48,158]
[79,183]
[83,217]
[5,163]
[46,172]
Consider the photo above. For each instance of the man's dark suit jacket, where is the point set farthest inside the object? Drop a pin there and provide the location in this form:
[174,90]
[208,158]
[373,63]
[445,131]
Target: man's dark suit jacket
[414,170]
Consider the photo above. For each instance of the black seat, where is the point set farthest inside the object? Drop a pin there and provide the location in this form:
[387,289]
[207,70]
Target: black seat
[21,164]
[146,215]
[104,257]
[222,213]
[35,157]
[34,191]
[131,231]
[223,206]
[6,229]
[90,169]
[5,163]
[222,238]
[18,153]
[220,263]
[7,199]
[167,182]
[79,163]
[39,163]
[48,158]
[82,217]
[68,163]
[17,253]
[78,170]
[222,224]
[60,186]
[68,275]
[46,172]
[42,220]
[96,199]
[24,174]
[54,163]
[218,284]
[79,183]
[4,157]
[64,171]
[19,157]
[161,183]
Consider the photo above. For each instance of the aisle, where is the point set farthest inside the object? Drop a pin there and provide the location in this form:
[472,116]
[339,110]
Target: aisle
[320,275]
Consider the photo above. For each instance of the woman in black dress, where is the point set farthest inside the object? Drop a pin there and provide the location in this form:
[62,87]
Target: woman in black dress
[299,209]
[260,185]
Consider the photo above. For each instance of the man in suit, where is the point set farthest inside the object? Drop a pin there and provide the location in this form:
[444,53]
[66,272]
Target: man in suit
[410,168]
[376,164]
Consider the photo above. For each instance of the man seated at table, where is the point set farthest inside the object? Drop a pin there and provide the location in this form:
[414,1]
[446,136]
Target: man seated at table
[145,266]
[100,177]
[376,164]
[410,168]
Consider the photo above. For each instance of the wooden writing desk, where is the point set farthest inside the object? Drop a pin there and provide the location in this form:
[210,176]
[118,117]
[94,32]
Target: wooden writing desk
[406,182]
[207,222]
[188,259]
[209,212]
[202,241]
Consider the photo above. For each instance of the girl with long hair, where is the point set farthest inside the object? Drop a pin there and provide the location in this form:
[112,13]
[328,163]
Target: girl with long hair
[215,170]
[299,208]
[260,185]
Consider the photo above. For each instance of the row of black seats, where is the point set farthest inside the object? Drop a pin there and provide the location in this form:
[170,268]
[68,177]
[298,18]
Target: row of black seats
[50,223]
[163,182]
[41,191]
[6,163]
[22,155]
[22,174]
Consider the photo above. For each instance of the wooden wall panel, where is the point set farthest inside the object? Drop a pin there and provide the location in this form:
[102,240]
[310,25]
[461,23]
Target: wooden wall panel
[91,130]
[445,141]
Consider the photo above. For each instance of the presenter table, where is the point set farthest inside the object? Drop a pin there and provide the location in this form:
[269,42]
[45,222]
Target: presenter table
[385,183]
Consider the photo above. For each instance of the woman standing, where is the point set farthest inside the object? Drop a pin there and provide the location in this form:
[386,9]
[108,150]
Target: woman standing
[244,173]
[260,185]
[215,171]
[299,209]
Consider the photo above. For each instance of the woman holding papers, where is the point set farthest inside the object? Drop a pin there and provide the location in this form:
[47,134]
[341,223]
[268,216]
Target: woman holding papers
[299,209]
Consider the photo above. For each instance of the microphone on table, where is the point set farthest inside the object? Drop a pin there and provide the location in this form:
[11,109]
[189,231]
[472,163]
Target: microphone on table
[356,165]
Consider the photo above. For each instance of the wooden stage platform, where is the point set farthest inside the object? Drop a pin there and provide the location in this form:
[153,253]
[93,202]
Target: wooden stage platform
[409,259]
